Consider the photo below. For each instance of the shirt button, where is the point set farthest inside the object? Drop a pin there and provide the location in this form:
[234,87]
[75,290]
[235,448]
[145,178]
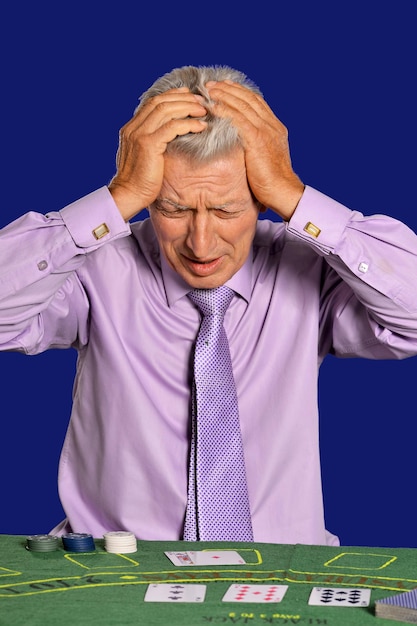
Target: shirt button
[363,267]
[42,265]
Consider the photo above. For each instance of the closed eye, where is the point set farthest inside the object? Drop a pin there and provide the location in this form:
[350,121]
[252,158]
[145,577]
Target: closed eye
[226,214]
[170,210]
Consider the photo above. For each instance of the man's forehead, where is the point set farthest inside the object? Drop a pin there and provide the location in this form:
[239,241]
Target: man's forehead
[178,205]
[213,167]
[223,180]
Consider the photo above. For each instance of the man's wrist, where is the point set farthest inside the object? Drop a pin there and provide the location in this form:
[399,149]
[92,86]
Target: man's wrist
[288,200]
[127,202]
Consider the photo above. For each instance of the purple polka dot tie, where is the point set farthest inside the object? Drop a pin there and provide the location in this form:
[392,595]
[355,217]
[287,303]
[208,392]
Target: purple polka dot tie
[218,504]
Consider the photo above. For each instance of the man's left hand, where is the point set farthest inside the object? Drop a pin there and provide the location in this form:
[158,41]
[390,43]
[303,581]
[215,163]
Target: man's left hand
[265,142]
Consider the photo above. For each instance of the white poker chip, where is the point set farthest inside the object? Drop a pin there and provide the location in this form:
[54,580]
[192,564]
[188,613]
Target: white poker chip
[120,542]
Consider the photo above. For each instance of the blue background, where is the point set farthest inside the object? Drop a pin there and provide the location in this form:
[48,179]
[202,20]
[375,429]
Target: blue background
[341,76]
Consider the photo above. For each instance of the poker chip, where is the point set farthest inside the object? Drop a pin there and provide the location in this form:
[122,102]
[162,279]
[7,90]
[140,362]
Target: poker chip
[42,543]
[120,542]
[78,542]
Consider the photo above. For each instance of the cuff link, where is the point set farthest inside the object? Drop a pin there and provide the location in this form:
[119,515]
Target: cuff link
[312,229]
[101,230]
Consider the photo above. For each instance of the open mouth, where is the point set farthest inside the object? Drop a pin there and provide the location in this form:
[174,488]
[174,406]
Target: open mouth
[203,267]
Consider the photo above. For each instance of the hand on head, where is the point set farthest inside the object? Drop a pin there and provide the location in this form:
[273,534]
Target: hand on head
[178,112]
[142,146]
[265,142]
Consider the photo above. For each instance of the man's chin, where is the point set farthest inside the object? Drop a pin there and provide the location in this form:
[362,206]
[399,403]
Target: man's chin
[208,282]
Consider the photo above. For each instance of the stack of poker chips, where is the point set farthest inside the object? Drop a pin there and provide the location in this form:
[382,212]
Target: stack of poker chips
[78,542]
[42,543]
[120,542]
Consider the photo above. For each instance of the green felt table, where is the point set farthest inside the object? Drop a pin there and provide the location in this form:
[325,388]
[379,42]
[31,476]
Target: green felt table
[98,588]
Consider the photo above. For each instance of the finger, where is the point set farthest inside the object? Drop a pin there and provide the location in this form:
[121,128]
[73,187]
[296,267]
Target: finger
[176,127]
[162,112]
[182,94]
[255,124]
[240,99]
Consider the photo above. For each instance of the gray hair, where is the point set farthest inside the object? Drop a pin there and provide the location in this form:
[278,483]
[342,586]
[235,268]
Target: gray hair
[220,137]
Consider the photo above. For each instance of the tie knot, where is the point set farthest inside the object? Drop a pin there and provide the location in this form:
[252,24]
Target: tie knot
[212,301]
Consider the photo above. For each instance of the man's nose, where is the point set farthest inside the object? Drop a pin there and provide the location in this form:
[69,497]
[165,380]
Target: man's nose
[201,237]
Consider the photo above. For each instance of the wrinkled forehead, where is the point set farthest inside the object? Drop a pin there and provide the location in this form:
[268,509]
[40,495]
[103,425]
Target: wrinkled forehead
[224,175]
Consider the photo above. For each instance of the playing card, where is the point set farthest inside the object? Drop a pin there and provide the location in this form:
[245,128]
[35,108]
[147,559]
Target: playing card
[167,592]
[216,557]
[405,600]
[255,593]
[400,607]
[205,557]
[180,558]
[335,596]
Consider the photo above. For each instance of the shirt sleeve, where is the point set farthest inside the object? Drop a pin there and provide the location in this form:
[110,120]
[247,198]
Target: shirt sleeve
[375,258]
[39,256]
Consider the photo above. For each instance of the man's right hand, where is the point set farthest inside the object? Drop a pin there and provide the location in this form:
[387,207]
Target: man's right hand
[142,145]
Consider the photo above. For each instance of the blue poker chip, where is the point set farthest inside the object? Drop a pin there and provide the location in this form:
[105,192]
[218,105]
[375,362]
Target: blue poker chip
[78,542]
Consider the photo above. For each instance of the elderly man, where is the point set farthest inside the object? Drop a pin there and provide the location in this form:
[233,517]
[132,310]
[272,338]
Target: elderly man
[205,154]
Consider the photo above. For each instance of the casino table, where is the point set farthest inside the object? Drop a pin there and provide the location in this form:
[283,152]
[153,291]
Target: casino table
[63,588]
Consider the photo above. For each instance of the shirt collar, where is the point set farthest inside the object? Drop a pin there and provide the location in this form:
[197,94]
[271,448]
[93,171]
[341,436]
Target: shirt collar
[176,287]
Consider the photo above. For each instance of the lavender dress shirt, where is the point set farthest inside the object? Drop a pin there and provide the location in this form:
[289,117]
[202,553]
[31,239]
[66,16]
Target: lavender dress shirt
[349,290]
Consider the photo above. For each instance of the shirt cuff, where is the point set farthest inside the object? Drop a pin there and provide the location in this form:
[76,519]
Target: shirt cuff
[94,219]
[319,220]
